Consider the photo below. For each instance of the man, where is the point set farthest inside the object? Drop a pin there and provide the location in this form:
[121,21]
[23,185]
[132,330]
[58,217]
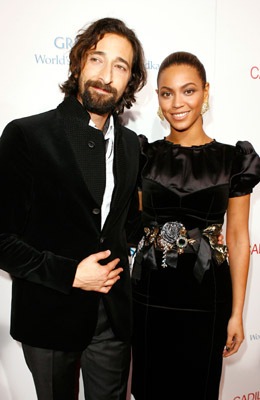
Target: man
[68,178]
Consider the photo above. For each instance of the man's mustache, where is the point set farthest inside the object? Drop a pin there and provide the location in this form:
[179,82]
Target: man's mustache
[100,85]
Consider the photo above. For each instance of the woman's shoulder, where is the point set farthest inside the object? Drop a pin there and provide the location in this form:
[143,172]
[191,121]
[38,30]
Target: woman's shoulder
[241,146]
[150,146]
[245,172]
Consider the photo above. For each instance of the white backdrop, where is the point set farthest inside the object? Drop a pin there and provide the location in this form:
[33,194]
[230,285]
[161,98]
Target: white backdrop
[224,34]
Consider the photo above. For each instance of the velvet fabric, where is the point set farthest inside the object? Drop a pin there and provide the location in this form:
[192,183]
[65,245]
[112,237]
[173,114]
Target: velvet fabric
[50,221]
[180,323]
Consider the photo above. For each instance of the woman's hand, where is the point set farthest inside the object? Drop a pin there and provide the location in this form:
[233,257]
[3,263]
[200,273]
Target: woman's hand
[235,336]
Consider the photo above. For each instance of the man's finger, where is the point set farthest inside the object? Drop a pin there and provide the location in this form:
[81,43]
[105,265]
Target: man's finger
[112,264]
[112,281]
[115,272]
[101,255]
[104,289]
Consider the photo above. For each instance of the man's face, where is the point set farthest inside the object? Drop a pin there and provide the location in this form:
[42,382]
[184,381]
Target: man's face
[106,73]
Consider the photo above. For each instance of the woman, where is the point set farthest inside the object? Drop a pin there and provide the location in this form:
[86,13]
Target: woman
[188,299]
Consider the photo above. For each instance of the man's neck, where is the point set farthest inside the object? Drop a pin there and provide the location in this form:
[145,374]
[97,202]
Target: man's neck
[99,120]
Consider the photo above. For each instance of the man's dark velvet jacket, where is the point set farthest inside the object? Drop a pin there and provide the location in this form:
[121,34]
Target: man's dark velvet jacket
[50,221]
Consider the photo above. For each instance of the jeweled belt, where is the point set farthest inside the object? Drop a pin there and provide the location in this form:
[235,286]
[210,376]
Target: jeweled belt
[173,239]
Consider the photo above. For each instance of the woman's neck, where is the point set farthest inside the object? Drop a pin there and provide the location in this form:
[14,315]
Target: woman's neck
[188,138]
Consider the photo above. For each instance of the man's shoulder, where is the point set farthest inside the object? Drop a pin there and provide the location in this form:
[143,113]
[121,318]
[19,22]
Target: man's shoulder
[33,125]
[36,119]
[129,133]
[127,130]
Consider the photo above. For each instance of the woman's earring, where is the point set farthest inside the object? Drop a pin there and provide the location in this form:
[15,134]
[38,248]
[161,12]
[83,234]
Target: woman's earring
[205,107]
[160,113]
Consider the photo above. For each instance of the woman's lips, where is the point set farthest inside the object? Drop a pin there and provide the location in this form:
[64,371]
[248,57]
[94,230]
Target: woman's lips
[180,116]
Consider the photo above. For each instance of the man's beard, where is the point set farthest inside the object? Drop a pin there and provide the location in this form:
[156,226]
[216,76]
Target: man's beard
[98,103]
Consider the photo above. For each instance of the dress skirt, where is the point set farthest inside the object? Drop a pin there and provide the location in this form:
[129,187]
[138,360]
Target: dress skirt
[180,330]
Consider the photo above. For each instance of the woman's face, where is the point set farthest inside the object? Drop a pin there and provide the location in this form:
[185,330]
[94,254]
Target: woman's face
[181,95]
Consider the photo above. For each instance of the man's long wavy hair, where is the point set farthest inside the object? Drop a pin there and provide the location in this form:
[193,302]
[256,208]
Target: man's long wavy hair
[88,39]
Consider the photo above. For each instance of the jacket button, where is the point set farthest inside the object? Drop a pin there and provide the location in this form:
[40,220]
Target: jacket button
[96,211]
[91,144]
[102,239]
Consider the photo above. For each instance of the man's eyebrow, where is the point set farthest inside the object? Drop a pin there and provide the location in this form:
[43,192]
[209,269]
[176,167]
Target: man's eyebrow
[123,61]
[102,53]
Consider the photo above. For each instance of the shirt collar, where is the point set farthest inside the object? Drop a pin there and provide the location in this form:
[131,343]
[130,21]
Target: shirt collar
[108,130]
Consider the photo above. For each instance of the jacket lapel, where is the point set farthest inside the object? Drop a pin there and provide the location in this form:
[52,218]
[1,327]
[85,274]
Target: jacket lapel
[125,176]
[87,147]
[124,166]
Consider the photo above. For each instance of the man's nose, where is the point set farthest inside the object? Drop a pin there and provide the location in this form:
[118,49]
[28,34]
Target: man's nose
[106,74]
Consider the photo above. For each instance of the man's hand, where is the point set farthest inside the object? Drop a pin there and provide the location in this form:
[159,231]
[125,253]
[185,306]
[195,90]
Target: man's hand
[91,275]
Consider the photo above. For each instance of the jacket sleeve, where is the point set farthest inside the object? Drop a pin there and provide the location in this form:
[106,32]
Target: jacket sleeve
[134,229]
[134,226]
[17,257]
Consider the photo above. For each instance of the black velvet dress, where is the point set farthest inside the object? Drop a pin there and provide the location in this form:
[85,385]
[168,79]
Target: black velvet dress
[181,310]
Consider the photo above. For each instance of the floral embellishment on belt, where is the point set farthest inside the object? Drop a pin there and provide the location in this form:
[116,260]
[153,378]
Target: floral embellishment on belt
[220,250]
[172,235]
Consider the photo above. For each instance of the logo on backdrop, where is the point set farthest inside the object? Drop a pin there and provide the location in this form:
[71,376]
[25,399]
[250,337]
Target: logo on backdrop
[150,65]
[62,46]
[255,72]
[254,337]
[255,249]
[249,396]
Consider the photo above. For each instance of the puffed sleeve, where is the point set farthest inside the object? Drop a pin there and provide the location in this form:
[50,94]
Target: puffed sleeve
[245,170]
[143,143]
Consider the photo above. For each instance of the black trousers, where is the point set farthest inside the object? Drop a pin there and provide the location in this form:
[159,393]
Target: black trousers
[104,364]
